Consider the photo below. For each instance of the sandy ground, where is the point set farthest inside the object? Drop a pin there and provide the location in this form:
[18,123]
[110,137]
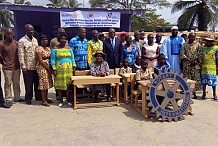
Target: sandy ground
[35,125]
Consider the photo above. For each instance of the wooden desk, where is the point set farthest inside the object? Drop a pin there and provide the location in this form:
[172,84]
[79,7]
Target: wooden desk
[144,110]
[91,80]
[126,80]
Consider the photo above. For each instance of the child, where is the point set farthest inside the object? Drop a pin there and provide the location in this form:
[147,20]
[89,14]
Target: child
[125,69]
[162,64]
[144,73]
[137,64]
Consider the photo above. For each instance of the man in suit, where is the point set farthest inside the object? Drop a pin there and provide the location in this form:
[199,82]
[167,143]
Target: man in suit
[114,50]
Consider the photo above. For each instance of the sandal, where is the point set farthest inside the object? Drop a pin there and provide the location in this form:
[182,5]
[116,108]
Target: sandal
[45,104]
[215,97]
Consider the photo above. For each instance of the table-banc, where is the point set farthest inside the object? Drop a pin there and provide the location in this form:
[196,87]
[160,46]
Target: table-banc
[91,80]
[143,87]
[126,80]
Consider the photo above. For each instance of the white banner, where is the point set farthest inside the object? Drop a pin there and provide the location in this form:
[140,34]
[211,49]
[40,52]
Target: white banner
[90,19]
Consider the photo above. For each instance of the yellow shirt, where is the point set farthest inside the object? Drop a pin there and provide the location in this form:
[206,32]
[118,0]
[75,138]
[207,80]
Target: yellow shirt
[93,46]
[143,75]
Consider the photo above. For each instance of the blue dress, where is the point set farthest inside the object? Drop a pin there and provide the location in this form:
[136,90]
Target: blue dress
[130,55]
[162,68]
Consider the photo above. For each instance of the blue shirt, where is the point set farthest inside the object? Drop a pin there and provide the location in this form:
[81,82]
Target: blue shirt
[79,47]
[130,55]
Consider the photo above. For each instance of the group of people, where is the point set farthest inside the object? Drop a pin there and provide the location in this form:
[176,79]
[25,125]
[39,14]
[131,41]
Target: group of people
[40,62]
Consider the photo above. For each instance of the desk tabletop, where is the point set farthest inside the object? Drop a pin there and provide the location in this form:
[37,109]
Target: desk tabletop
[74,78]
[127,75]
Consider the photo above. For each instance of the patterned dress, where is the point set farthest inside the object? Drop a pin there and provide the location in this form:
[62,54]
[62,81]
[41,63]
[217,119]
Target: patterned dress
[208,72]
[93,46]
[95,69]
[45,78]
[130,54]
[62,60]
[192,51]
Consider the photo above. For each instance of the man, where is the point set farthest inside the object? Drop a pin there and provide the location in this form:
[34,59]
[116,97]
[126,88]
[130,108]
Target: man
[27,57]
[54,42]
[79,45]
[113,49]
[137,42]
[171,49]
[158,39]
[94,45]
[191,56]
[101,36]
[142,35]
[11,66]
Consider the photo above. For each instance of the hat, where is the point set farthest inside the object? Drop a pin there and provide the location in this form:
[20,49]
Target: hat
[210,38]
[174,28]
[99,52]
[123,33]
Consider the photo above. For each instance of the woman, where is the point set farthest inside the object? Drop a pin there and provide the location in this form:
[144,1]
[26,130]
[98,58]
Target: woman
[151,51]
[129,51]
[100,68]
[63,65]
[209,66]
[43,69]
[191,56]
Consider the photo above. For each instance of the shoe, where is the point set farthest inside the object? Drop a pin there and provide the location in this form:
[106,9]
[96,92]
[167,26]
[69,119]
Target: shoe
[8,102]
[45,104]
[5,105]
[203,97]
[49,101]
[28,102]
[69,103]
[215,97]
[195,97]
[60,104]
[20,100]
[58,98]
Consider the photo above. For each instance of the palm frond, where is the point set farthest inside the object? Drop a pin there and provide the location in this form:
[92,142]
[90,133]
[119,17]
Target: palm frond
[179,5]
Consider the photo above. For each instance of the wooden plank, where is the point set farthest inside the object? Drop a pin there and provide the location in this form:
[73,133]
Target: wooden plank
[96,104]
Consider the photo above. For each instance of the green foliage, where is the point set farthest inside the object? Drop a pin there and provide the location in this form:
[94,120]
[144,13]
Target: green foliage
[128,3]
[6,17]
[22,2]
[196,12]
[65,3]
[149,21]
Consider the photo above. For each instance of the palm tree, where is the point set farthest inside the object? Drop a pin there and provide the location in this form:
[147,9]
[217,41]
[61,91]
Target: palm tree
[74,4]
[200,12]
[22,2]
[57,3]
[6,17]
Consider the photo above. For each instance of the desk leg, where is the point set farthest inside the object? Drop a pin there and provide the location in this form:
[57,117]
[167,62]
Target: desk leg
[74,97]
[117,94]
[125,90]
[144,103]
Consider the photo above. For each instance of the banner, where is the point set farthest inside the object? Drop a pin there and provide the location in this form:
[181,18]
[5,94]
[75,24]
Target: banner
[90,19]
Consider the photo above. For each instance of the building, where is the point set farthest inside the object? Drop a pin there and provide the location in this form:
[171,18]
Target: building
[46,19]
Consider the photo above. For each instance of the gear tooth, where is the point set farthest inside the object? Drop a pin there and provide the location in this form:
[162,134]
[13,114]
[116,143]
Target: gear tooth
[170,119]
[175,119]
[153,110]
[177,73]
[182,117]
[186,79]
[157,115]
[182,76]
[149,84]
[149,104]
[163,118]
[147,91]
[186,113]
[191,102]
[159,72]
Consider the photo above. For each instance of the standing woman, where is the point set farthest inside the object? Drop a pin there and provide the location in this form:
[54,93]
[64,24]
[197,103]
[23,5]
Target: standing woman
[209,66]
[43,69]
[63,65]
[129,51]
[151,51]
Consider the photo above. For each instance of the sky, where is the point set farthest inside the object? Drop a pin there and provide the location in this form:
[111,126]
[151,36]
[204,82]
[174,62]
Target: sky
[172,18]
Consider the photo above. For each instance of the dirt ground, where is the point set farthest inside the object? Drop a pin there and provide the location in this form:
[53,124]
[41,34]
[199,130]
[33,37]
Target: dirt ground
[35,125]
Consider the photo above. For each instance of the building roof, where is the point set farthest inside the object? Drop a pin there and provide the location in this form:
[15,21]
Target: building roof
[13,7]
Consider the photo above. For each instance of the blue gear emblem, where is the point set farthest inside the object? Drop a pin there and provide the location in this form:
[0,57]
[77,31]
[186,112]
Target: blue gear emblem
[169,96]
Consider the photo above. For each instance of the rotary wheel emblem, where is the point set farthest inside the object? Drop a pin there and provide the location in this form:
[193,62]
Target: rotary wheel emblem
[169,96]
